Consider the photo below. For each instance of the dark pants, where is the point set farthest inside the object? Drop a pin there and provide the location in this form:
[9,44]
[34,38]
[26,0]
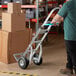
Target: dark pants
[71,54]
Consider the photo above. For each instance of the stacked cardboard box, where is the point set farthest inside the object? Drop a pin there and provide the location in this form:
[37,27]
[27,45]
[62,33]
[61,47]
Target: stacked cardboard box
[0,13]
[2,10]
[14,37]
[13,20]
[14,8]
[13,42]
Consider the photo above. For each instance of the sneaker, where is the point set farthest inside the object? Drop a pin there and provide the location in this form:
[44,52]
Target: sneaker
[66,71]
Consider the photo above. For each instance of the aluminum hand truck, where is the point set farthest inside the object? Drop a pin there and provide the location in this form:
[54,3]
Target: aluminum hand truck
[35,54]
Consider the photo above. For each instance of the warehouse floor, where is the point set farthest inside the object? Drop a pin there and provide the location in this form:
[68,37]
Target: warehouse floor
[54,58]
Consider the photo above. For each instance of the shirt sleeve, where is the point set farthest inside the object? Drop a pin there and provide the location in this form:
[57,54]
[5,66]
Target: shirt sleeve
[63,11]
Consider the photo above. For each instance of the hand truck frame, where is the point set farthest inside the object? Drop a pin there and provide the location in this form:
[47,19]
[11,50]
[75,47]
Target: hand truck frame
[30,54]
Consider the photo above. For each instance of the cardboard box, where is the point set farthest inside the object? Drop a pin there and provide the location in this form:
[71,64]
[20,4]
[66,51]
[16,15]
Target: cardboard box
[2,10]
[0,44]
[13,22]
[13,42]
[14,8]
[3,42]
[0,13]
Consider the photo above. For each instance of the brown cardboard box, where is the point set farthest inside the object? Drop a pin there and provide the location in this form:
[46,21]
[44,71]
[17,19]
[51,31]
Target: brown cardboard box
[2,10]
[13,22]
[23,11]
[0,44]
[4,42]
[0,13]
[13,42]
[14,8]
[21,45]
[30,30]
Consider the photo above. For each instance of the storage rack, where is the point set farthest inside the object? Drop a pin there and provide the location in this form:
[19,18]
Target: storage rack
[37,8]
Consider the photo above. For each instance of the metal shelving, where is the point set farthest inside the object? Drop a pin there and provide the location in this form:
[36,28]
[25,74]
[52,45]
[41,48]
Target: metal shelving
[36,7]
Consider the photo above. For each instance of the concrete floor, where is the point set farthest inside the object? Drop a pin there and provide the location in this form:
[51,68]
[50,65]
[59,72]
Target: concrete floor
[54,58]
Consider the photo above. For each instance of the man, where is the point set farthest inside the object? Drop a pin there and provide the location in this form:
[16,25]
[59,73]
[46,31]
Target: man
[68,14]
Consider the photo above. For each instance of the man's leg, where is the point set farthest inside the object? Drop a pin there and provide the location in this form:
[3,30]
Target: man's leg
[73,53]
[72,50]
[69,65]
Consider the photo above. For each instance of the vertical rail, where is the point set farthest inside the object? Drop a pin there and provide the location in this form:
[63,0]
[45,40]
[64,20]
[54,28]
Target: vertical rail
[37,15]
[46,2]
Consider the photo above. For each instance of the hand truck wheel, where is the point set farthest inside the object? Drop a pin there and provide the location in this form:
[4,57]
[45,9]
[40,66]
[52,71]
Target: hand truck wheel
[36,61]
[23,63]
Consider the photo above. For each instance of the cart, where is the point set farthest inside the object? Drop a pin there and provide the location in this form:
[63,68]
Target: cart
[35,54]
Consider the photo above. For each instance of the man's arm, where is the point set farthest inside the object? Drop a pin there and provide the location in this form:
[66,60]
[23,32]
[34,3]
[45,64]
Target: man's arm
[57,19]
[61,14]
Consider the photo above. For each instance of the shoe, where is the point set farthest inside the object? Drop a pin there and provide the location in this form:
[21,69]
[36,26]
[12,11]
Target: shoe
[66,71]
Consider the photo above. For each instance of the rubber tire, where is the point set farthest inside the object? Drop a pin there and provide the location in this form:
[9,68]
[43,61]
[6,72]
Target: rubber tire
[37,63]
[25,63]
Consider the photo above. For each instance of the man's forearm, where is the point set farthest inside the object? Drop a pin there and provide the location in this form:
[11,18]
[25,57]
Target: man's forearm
[57,19]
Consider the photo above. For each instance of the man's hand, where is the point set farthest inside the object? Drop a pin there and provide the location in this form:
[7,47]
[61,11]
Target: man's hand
[57,19]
